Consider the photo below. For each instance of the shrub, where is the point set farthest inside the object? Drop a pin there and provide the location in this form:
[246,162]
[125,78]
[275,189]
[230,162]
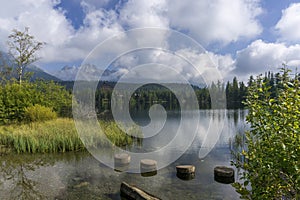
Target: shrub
[38,113]
[14,98]
[272,150]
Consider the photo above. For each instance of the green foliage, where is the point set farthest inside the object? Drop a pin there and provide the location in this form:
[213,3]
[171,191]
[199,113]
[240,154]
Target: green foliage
[14,98]
[59,135]
[23,47]
[272,150]
[38,113]
[5,69]
[235,94]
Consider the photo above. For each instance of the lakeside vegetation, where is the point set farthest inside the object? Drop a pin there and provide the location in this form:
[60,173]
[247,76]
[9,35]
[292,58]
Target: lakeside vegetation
[36,116]
[269,159]
[58,135]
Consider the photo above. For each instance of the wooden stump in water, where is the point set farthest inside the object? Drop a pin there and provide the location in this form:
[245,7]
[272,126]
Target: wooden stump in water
[185,172]
[122,161]
[134,193]
[148,167]
[223,174]
[185,169]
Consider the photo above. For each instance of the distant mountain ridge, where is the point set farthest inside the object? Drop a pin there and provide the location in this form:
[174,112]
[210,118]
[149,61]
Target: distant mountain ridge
[41,74]
[89,72]
[38,73]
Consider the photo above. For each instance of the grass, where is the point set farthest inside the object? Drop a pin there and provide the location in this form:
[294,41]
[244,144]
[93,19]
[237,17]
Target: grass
[57,135]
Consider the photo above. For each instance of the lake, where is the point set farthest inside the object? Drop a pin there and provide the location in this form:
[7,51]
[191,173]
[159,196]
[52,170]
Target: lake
[78,175]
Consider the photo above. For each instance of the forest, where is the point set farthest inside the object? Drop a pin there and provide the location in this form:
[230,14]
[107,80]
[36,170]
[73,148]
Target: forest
[147,95]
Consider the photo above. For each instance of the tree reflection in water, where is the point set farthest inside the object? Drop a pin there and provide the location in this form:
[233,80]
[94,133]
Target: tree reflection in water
[15,178]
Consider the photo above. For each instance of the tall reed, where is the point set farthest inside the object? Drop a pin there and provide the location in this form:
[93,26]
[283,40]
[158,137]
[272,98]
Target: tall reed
[57,135]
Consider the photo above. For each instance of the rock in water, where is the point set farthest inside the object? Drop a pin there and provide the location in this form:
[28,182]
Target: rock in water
[134,193]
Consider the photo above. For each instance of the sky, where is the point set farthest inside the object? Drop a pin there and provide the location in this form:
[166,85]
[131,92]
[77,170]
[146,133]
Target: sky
[241,37]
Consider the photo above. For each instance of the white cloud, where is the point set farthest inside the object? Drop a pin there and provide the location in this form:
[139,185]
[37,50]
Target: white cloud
[224,22]
[89,5]
[216,20]
[50,25]
[144,13]
[289,25]
[47,24]
[208,21]
[191,65]
[260,57]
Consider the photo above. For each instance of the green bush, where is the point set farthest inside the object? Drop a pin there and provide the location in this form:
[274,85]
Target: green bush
[271,166]
[38,113]
[14,98]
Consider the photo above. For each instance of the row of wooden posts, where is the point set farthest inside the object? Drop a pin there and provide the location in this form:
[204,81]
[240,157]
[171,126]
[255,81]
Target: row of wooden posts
[148,167]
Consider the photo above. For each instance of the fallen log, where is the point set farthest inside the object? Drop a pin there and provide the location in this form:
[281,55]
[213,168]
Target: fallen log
[133,193]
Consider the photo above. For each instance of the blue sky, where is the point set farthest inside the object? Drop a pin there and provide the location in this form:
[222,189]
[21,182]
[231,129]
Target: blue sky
[242,37]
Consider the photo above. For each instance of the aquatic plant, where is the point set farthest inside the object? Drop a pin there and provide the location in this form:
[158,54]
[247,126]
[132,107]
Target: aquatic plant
[57,135]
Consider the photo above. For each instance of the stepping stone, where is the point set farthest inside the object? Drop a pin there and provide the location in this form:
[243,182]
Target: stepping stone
[121,162]
[148,167]
[185,172]
[223,174]
[122,158]
[185,169]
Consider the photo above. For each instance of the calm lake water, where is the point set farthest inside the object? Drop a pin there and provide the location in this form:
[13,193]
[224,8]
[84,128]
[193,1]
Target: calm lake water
[80,176]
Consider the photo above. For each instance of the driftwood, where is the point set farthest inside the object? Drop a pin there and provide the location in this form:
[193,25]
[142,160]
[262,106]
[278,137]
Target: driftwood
[133,193]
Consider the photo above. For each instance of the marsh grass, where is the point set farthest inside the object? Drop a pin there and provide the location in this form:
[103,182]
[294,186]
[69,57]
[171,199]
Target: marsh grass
[57,135]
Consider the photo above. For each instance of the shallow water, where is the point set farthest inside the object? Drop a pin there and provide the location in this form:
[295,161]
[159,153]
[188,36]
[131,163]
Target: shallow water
[78,175]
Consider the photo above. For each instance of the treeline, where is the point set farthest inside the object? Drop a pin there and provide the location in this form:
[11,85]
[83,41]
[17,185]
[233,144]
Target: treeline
[230,95]
[143,98]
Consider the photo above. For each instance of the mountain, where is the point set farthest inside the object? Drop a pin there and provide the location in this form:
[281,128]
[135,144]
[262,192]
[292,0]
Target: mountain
[41,74]
[67,73]
[88,72]
[38,73]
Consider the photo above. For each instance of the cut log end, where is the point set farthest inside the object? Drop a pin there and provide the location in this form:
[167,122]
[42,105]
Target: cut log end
[185,169]
[148,165]
[121,162]
[122,158]
[185,172]
[224,174]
